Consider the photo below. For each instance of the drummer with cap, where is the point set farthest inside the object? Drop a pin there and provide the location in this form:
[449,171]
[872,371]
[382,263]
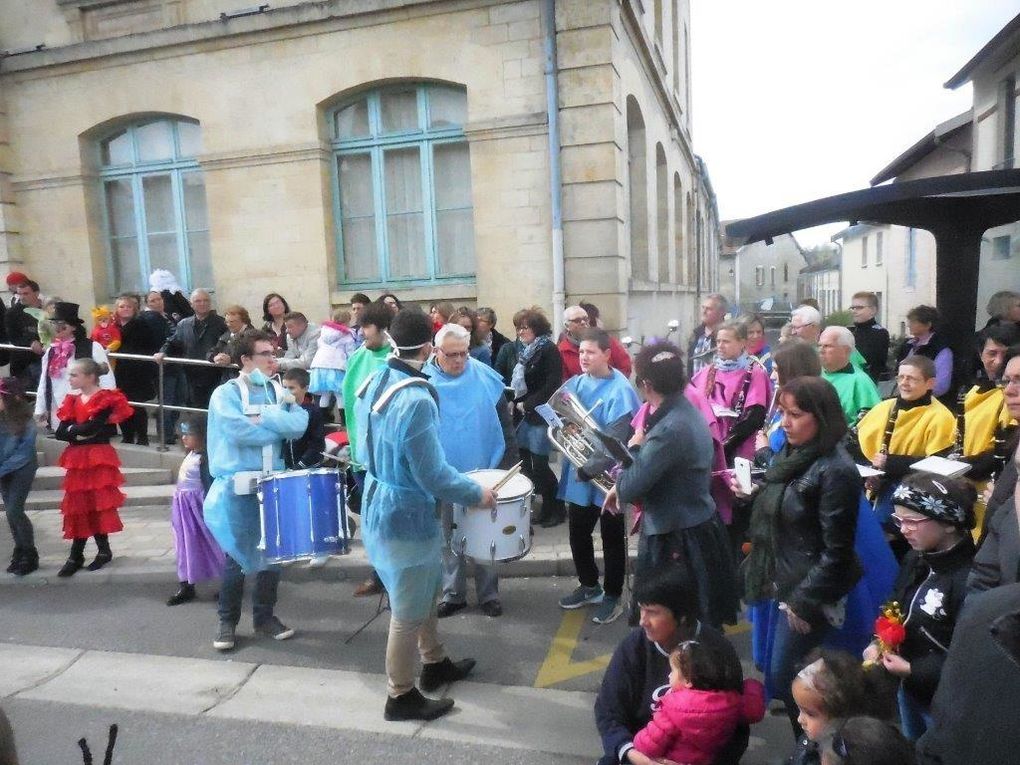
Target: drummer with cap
[477,432]
[249,419]
[406,472]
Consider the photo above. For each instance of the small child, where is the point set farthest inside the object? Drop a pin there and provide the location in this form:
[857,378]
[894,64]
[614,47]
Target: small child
[700,713]
[88,419]
[935,515]
[199,557]
[336,344]
[305,452]
[831,687]
[867,741]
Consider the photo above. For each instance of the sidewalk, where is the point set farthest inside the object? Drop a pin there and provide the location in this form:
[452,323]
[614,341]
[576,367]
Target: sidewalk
[503,716]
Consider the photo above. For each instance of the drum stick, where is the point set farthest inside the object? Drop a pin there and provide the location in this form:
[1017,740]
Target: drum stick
[506,479]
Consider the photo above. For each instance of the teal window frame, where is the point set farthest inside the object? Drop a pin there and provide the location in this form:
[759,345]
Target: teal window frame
[375,144]
[136,171]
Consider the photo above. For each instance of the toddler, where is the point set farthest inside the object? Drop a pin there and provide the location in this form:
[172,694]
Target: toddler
[336,344]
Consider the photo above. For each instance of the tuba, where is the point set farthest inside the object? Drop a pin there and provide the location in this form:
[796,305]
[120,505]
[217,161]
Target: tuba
[593,452]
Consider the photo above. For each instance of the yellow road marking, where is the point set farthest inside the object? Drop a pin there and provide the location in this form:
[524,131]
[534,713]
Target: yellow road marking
[559,665]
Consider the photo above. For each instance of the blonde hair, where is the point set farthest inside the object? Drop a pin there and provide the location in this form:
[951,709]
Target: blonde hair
[341,316]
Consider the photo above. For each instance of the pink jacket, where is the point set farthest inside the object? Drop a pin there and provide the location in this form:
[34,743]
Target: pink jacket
[692,726]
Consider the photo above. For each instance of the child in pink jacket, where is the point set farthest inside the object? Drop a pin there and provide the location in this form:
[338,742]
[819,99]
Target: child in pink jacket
[697,717]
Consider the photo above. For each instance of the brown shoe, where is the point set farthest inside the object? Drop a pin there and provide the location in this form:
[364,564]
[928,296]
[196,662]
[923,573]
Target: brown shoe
[368,588]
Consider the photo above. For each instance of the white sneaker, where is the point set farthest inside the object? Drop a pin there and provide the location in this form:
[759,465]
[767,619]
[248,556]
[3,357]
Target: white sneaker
[318,561]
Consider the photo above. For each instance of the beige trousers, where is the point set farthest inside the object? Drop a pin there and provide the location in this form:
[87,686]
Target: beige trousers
[403,639]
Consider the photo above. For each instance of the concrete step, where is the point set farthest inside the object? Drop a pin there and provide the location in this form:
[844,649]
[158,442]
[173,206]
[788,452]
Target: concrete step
[49,499]
[51,477]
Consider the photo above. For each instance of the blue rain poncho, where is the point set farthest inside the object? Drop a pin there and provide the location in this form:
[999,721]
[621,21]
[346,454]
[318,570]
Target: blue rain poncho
[619,399]
[406,473]
[469,428]
[234,443]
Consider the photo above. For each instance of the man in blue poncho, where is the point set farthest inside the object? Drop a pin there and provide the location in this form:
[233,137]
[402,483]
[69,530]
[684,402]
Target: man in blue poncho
[249,419]
[406,472]
[476,431]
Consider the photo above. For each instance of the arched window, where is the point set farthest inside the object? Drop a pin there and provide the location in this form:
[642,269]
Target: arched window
[154,203]
[662,212]
[403,186]
[678,231]
[638,182]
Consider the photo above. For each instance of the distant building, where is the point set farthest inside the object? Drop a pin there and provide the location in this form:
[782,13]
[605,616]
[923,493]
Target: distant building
[993,73]
[820,279]
[768,271]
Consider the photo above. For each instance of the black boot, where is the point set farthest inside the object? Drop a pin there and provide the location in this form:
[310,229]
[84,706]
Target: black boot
[75,560]
[556,516]
[15,560]
[413,706]
[29,562]
[184,593]
[442,672]
[104,555]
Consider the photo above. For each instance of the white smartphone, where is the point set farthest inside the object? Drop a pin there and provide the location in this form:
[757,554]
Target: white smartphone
[742,472]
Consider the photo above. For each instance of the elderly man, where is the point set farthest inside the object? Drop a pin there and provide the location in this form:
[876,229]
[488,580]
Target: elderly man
[193,338]
[492,337]
[575,321]
[701,347]
[477,432]
[249,419]
[398,440]
[871,337]
[855,388]
[302,344]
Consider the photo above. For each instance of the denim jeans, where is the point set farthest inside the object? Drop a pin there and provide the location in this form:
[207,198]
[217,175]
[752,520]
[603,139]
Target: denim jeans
[263,597]
[914,719]
[14,488]
[789,648]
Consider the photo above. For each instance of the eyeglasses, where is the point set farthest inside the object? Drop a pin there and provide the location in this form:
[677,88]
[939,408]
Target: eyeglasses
[263,354]
[580,320]
[858,307]
[454,355]
[1005,382]
[907,523]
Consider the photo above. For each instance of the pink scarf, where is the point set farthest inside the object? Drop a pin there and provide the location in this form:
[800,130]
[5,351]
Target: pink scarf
[60,353]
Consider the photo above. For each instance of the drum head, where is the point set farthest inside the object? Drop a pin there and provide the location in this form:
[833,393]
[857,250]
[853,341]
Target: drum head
[519,486]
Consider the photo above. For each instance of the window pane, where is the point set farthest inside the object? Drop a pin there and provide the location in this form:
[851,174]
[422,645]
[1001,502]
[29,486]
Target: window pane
[352,121]
[447,108]
[120,206]
[455,240]
[405,221]
[189,136]
[399,111]
[164,253]
[159,203]
[195,215]
[155,141]
[201,262]
[117,150]
[357,218]
[127,271]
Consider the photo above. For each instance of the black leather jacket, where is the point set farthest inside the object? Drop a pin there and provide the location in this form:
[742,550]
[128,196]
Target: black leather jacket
[814,536]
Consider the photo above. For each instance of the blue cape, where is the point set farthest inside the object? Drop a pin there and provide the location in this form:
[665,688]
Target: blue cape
[469,427]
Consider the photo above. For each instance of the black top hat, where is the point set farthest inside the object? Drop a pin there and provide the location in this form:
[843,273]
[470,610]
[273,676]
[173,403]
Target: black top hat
[67,313]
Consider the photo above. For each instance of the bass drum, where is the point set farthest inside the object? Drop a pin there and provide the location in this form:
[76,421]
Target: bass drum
[500,535]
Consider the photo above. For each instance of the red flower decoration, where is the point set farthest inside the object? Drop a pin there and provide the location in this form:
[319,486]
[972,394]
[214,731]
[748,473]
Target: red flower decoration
[890,632]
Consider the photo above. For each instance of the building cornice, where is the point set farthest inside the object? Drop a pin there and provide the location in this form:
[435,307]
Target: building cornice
[508,127]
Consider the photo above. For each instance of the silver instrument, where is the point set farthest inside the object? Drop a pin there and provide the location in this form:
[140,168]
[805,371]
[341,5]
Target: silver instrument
[580,438]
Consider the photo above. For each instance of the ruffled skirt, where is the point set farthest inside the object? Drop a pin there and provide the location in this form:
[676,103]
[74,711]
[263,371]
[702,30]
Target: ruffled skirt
[326,380]
[91,491]
[199,557]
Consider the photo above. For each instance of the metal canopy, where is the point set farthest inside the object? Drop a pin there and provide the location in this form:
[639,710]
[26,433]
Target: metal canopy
[956,209]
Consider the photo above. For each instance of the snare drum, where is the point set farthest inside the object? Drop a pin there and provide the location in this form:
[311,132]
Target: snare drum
[500,535]
[302,515]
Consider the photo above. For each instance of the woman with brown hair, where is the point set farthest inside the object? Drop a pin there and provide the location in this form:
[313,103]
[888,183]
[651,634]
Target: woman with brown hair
[238,325]
[17,470]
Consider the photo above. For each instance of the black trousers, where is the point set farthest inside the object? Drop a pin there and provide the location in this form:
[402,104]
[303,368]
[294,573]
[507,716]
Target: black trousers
[582,522]
[536,468]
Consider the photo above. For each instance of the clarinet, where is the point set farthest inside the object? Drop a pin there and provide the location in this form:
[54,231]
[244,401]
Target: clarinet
[890,426]
[961,425]
[770,412]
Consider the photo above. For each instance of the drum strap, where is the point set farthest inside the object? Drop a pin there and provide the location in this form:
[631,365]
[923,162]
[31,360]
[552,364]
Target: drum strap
[267,450]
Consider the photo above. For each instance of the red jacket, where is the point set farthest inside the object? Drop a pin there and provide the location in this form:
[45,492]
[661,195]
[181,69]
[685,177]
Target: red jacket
[618,357]
[692,726]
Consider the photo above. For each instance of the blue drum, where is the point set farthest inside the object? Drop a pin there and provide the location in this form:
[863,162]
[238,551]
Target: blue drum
[302,514]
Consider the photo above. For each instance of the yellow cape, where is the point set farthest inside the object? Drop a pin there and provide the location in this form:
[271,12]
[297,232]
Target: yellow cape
[919,431]
[984,411]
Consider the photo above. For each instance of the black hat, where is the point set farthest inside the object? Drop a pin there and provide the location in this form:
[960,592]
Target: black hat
[67,313]
[410,329]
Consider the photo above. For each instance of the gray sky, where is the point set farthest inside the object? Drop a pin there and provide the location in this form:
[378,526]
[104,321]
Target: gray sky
[800,99]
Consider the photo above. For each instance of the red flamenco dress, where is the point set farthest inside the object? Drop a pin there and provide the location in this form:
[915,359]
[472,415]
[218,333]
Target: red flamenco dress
[92,483]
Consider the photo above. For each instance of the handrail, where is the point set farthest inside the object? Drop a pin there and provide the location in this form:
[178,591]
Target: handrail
[160,406]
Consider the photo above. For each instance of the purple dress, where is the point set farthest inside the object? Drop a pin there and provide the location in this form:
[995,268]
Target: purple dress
[198,556]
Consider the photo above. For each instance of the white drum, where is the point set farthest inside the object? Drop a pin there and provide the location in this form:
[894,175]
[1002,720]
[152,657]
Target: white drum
[500,535]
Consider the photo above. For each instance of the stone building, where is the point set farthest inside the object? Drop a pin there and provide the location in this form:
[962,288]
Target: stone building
[819,279]
[768,271]
[322,148]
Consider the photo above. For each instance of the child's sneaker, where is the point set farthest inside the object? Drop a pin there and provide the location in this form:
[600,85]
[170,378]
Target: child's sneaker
[582,596]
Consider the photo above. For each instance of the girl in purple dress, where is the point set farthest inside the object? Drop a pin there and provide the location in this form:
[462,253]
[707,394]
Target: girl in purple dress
[198,556]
